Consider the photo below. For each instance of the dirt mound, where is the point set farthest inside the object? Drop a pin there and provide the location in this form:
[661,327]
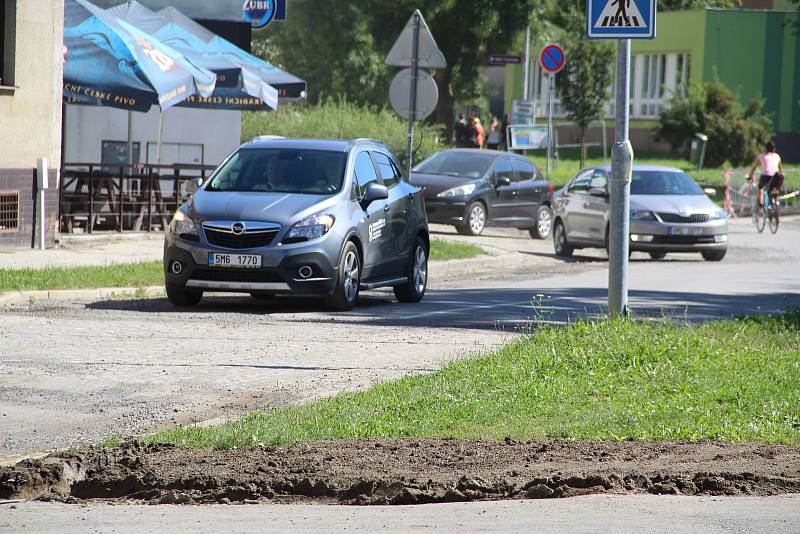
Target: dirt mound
[405,472]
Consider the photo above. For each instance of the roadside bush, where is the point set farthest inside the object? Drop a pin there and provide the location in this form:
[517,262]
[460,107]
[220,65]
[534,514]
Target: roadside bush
[338,119]
[736,133]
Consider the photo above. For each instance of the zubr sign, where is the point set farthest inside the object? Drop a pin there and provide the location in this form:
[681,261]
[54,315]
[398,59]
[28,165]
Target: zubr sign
[259,13]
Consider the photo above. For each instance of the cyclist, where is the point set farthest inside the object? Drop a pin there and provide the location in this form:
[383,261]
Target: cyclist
[771,171]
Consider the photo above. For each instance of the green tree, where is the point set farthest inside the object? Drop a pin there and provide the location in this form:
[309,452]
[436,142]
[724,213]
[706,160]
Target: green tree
[339,47]
[675,5]
[584,82]
[736,133]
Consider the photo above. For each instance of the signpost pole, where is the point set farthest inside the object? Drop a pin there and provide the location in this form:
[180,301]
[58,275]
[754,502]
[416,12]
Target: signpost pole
[527,66]
[413,100]
[620,189]
[552,87]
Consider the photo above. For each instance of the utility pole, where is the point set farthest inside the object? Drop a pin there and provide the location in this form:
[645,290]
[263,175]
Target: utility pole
[620,189]
[527,66]
[413,98]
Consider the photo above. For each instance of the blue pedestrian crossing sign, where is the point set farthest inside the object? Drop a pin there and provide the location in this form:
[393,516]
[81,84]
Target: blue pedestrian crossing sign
[621,19]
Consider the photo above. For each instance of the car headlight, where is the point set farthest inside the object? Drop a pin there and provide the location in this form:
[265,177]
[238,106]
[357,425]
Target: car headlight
[642,215]
[310,228]
[719,214]
[182,224]
[460,191]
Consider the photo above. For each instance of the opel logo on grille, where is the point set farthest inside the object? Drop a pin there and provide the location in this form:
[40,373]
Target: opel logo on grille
[237,228]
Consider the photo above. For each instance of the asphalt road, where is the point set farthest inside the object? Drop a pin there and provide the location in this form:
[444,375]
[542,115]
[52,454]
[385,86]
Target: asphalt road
[73,372]
[634,514]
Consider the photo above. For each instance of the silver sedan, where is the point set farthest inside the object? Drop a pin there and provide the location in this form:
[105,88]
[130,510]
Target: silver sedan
[669,213]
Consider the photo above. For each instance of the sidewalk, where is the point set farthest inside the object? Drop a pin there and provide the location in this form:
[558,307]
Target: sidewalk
[97,249]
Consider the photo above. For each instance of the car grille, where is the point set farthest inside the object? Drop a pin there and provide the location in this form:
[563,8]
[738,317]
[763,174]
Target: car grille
[695,218]
[239,242]
[681,239]
[226,274]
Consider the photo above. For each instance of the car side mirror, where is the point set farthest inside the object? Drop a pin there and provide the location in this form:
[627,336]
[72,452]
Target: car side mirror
[598,192]
[374,192]
[502,180]
[193,185]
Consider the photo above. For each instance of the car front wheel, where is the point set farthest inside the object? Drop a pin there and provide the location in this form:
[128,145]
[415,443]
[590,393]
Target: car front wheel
[658,255]
[417,274]
[182,297]
[713,255]
[475,220]
[345,294]
[562,247]
[544,223]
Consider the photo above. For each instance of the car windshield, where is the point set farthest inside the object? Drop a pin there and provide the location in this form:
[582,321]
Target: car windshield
[283,170]
[459,164]
[663,183]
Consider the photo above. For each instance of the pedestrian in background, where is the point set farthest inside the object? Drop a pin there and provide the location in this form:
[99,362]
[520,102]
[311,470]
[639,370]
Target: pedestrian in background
[494,138]
[504,131]
[480,133]
[460,131]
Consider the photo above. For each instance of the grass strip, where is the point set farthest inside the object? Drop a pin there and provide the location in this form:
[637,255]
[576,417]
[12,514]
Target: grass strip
[143,274]
[736,380]
[454,250]
[151,273]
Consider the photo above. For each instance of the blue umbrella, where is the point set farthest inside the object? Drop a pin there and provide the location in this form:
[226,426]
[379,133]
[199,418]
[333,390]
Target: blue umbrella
[110,63]
[289,87]
[238,87]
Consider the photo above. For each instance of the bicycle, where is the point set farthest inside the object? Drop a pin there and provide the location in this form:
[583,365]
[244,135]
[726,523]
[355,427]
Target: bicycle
[767,210]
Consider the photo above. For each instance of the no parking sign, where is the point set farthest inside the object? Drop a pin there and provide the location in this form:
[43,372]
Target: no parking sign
[552,59]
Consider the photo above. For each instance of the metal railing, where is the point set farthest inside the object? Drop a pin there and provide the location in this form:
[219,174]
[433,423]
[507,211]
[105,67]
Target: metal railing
[740,194]
[139,197]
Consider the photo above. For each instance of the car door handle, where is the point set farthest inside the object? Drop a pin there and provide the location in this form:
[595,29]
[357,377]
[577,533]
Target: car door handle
[514,193]
[386,208]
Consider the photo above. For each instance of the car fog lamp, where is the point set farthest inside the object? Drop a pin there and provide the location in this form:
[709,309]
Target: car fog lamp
[721,238]
[639,238]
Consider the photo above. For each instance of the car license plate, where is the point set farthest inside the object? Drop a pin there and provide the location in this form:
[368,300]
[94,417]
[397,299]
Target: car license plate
[248,261]
[684,230]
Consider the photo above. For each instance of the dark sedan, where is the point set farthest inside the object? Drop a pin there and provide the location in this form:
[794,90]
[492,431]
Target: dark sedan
[472,189]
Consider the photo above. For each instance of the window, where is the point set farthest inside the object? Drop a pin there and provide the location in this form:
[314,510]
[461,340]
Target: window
[286,170]
[599,179]
[460,164]
[9,210]
[582,181]
[388,171]
[365,174]
[525,169]
[655,77]
[504,169]
[8,16]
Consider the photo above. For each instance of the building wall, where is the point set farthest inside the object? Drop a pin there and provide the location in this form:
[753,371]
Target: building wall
[86,127]
[30,113]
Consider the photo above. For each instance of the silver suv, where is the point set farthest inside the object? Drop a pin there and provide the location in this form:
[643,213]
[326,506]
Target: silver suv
[310,217]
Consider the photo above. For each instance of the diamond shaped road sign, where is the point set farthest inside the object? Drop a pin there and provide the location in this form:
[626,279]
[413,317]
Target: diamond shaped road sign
[430,57]
[621,19]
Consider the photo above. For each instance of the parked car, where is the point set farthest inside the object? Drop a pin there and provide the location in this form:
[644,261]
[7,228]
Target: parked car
[669,213]
[308,217]
[472,189]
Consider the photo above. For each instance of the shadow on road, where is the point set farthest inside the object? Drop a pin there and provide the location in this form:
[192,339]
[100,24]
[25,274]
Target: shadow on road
[506,309]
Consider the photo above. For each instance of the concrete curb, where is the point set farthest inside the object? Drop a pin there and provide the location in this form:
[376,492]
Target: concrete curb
[23,298]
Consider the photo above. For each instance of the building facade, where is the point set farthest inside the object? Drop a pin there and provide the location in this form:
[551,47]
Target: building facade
[753,52]
[30,115]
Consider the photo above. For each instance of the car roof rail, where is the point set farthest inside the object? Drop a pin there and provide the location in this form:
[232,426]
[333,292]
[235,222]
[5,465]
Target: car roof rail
[367,140]
[265,138]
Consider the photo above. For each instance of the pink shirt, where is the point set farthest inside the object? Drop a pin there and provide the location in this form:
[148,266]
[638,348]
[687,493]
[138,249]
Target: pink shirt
[770,162]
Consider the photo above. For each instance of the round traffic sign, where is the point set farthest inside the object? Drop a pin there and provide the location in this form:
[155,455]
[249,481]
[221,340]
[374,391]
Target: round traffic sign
[552,59]
[400,94]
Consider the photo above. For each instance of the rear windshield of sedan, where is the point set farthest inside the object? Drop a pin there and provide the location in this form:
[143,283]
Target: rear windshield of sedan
[283,170]
[663,183]
[460,164]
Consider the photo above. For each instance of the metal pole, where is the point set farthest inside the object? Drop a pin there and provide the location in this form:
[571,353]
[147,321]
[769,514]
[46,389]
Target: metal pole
[412,116]
[160,136]
[620,190]
[130,137]
[527,66]
[550,136]
[41,219]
